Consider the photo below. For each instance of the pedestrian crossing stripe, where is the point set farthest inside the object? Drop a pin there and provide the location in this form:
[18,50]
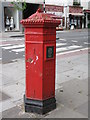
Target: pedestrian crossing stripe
[73,51]
[67,48]
[57,49]
[15,46]
[60,44]
[62,39]
[74,41]
[19,50]
[2,45]
[86,43]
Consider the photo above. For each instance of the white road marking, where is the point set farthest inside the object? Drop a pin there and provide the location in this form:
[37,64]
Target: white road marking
[2,45]
[14,46]
[74,47]
[67,48]
[60,44]
[16,53]
[61,49]
[61,31]
[71,51]
[18,50]
[17,39]
[10,51]
[86,43]
[62,39]
[0,58]
[74,41]
[74,38]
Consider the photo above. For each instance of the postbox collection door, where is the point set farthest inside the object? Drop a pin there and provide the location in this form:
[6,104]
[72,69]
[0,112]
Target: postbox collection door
[34,71]
[49,70]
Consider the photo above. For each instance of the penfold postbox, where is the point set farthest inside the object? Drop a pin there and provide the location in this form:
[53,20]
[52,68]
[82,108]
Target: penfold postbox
[40,56]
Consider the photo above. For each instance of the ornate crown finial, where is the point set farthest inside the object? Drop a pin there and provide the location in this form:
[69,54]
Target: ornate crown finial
[39,10]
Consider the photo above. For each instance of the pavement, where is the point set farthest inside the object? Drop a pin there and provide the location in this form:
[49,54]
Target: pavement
[11,34]
[71,88]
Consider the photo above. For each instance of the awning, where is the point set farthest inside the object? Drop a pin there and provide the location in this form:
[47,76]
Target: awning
[87,11]
[77,14]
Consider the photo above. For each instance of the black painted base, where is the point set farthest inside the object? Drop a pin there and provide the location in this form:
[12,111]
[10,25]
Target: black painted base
[40,107]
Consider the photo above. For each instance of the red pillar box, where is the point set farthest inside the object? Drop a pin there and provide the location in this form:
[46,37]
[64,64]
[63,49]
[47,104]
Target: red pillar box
[40,55]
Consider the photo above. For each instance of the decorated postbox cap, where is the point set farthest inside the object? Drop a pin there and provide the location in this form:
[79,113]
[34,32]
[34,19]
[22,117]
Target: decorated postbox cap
[40,18]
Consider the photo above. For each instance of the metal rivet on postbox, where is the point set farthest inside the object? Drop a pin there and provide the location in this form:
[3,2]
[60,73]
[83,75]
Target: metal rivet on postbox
[40,52]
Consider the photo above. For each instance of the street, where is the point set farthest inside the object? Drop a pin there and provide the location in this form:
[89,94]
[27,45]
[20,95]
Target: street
[71,83]
[68,41]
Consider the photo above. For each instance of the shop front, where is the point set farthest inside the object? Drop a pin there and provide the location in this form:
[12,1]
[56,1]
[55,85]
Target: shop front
[87,18]
[10,17]
[57,13]
[76,20]
[75,17]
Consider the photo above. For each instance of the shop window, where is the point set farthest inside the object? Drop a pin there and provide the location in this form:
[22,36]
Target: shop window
[11,19]
[76,2]
[88,16]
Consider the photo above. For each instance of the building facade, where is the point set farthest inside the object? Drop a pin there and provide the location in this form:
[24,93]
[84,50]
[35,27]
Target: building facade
[87,16]
[70,12]
[56,10]
[76,12]
[70,15]
[10,17]
[76,16]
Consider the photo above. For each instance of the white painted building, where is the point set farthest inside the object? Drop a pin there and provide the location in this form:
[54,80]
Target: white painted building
[66,3]
[10,17]
[6,9]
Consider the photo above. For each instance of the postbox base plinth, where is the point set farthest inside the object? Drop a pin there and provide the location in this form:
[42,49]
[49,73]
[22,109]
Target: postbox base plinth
[38,106]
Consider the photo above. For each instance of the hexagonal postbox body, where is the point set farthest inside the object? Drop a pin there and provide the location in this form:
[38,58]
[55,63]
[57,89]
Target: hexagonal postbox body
[40,55]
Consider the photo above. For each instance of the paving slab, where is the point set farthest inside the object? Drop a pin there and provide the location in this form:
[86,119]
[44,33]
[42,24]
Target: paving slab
[76,74]
[64,112]
[0,68]
[3,96]
[75,93]
[0,80]
[72,60]
[12,74]
[83,109]
[61,78]
[58,86]
[71,89]
[15,91]
[5,105]
[62,68]
[81,67]
[16,113]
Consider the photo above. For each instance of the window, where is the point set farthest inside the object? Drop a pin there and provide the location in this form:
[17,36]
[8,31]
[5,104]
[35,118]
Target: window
[11,19]
[76,2]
